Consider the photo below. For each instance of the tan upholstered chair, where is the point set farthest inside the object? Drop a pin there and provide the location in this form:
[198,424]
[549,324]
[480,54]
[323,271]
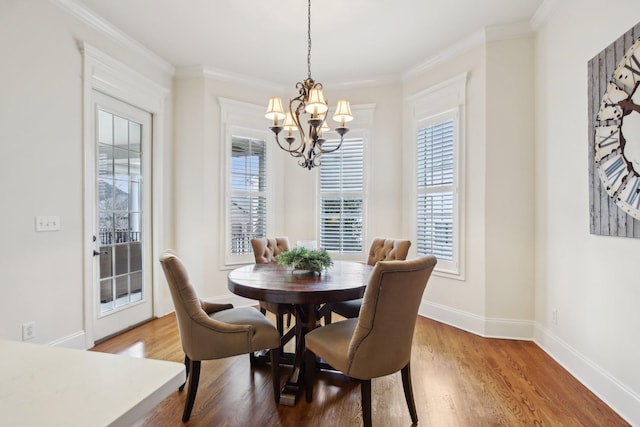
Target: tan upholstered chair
[378,342]
[381,250]
[215,331]
[266,250]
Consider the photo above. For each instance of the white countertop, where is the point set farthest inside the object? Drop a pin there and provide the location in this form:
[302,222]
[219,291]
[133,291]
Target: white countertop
[52,386]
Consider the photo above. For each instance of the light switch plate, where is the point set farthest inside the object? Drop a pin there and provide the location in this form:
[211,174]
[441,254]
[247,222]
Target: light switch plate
[47,223]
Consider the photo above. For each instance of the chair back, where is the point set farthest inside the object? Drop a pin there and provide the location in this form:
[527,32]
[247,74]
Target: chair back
[265,250]
[189,312]
[381,342]
[388,250]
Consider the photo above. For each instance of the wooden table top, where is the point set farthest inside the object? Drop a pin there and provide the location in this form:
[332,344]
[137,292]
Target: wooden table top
[276,283]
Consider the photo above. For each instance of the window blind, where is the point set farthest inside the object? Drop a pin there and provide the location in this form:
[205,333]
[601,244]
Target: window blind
[341,197]
[435,202]
[248,202]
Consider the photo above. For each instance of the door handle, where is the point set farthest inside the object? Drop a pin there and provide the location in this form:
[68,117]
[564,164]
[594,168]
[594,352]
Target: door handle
[96,253]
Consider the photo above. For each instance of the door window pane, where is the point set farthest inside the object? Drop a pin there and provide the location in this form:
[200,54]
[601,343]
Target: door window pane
[120,210]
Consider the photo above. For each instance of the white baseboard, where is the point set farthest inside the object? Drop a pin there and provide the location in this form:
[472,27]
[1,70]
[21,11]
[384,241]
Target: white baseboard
[609,389]
[75,340]
[485,327]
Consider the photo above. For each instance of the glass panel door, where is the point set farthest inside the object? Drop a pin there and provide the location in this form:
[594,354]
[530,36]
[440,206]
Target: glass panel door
[122,211]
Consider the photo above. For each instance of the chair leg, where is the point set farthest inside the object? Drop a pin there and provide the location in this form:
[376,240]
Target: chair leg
[193,389]
[365,397]
[310,370]
[327,318]
[187,364]
[275,372]
[408,393]
[280,328]
[280,324]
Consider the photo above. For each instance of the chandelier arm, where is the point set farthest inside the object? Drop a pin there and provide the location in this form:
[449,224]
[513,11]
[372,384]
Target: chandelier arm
[322,151]
[294,153]
[296,116]
[315,160]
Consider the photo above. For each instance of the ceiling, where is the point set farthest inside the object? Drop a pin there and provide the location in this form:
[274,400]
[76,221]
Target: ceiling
[352,40]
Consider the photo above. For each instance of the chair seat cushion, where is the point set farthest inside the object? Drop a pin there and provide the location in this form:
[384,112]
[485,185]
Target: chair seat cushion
[266,335]
[331,343]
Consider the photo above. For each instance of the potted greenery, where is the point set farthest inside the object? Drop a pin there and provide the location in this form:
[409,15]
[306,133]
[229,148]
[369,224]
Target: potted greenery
[305,260]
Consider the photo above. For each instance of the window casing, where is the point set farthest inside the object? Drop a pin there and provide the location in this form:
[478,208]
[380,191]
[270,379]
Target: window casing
[438,144]
[342,201]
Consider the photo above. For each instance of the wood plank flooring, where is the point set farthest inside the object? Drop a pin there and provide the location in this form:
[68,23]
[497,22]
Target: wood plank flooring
[459,379]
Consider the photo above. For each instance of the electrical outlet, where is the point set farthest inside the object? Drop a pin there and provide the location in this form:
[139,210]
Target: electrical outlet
[554,316]
[28,331]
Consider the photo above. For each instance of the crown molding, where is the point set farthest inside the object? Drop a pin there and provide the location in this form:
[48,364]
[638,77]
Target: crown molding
[477,39]
[364,83]
[465,45]
[93,20]
[543,13]
[516,30]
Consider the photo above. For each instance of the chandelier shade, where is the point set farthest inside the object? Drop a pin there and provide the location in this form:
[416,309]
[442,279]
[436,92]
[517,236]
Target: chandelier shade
[275,111]
[316,104]
[309,106]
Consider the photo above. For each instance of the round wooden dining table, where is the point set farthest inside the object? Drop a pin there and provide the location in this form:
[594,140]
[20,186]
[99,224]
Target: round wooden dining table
[277,283]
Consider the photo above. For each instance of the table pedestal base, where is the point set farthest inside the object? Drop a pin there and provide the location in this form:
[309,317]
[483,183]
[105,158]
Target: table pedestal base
[306,320]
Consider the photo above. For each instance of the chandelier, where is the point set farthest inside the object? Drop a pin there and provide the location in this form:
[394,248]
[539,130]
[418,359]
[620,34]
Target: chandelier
[311,106]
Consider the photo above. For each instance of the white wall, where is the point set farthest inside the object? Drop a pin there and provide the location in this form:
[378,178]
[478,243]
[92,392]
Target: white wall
[592,281]
[496,296]
[509,201]
[41,167]
[41,173]
[461,303]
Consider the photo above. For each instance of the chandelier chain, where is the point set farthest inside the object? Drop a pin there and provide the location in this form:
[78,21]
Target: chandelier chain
[309,40]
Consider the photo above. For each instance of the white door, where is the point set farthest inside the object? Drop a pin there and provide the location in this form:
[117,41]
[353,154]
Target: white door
[122,219]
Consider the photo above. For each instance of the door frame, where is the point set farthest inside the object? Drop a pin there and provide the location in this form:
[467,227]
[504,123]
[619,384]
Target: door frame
[105,74]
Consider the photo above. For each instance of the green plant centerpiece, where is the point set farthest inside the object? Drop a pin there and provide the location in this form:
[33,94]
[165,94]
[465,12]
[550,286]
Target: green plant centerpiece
[305,260]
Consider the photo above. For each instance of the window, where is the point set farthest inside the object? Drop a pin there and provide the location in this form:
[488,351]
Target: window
[248,201]
[438,142]
[246,181]
[434,215]
[342,197]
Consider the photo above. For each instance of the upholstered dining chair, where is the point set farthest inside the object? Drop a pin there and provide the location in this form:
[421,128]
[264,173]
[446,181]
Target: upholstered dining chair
[215,331]
[266,250]
[381,249]
[378,342]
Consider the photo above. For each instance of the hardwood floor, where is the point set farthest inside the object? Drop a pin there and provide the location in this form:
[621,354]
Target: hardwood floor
[459,379]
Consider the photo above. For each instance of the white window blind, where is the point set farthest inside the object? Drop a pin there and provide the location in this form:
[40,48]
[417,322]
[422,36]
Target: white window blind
[435,190]
[341,197]
[248,201]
